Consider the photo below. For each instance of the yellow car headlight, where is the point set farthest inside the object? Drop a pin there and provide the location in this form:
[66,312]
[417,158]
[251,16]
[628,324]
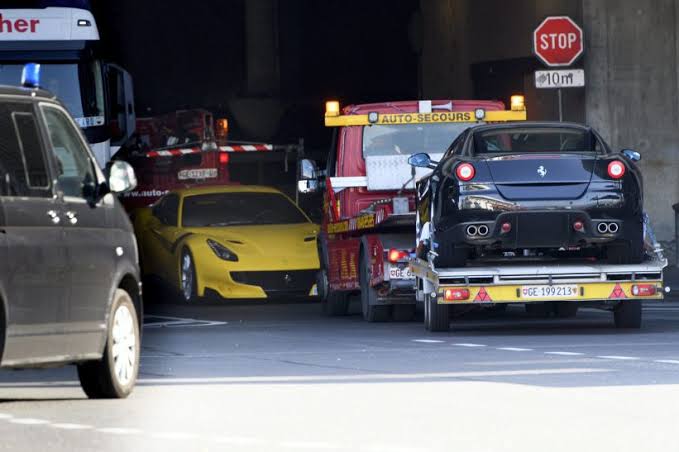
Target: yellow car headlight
[221,251]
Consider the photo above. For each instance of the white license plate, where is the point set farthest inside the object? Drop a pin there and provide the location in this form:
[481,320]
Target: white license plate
[202,173]
[554,291]
[400,273]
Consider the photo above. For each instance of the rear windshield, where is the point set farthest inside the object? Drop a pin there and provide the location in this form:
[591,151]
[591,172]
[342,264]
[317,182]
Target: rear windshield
[231,209]
[527,140]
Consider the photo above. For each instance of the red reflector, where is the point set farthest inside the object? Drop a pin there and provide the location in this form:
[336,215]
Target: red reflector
[397,255]
[223,158]
[643,290]
[616,169]
[506,227]
[456,294]
[578,226]
[465,172]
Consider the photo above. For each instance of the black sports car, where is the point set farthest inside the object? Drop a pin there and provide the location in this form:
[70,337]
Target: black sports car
[530,190]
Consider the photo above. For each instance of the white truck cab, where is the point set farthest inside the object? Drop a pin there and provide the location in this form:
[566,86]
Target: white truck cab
[65,42]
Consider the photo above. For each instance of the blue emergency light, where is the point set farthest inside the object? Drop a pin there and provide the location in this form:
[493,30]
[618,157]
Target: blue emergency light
[30,77]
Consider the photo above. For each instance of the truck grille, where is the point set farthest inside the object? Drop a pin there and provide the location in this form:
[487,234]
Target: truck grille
[275,282]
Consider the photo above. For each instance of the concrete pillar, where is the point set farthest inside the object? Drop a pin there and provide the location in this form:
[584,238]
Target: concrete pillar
[631,63]
[261,47]
[445,49]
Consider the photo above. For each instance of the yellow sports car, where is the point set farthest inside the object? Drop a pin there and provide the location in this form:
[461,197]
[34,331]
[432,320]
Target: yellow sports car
[236,241]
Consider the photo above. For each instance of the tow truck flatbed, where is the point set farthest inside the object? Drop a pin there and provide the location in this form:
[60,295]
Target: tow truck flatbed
[600,284]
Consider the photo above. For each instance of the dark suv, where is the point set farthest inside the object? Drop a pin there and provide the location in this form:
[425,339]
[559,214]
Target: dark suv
[69,279]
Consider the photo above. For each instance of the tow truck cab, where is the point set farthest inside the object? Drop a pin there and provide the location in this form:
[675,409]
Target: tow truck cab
[368,188]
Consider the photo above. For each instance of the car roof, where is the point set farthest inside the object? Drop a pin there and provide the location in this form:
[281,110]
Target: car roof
[529,125]
[207,190]
[28,93]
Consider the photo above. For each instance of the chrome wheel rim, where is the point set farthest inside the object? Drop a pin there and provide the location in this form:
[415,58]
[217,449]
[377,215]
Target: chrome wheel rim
[187,277]
[124,347]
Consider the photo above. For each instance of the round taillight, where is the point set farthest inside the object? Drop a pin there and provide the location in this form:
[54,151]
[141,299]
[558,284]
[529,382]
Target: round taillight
[465,172]
[223,158]
[616,169]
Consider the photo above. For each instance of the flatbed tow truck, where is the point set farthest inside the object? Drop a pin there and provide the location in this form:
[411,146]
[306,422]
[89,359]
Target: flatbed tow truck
[368,228]
[620,289]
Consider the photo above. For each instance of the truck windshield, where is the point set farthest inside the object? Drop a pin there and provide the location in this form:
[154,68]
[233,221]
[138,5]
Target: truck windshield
[533,139]
[78,86]
[239,208]
[409,139]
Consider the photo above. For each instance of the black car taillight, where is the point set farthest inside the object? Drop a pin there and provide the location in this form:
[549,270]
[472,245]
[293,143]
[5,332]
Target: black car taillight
[616,169]
[465,172]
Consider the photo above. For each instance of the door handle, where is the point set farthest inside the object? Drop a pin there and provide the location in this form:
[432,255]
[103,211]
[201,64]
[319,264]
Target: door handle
[54,216]
[72,217]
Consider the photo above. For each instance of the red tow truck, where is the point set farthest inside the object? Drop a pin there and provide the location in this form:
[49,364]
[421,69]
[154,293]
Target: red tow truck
[186,148]
[368,228]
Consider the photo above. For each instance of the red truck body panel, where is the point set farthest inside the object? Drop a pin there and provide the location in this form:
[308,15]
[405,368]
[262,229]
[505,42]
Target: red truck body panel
[343,248]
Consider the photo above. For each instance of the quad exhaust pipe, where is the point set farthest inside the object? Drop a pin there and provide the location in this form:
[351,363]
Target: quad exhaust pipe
[477,231]
[608,228]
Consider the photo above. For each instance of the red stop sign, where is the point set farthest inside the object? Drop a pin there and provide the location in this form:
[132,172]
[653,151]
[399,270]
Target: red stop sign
[558,41]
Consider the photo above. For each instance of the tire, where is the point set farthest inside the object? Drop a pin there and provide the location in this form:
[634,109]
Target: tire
[336,304]
[436,316]
[630,250]
[625,253]
[372,312]
[188,289]
[627,314]
[105,379]
[566,309]
[452,256]
[403,312]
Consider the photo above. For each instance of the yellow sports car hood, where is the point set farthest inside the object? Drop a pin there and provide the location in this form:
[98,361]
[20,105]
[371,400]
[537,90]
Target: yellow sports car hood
[267,247]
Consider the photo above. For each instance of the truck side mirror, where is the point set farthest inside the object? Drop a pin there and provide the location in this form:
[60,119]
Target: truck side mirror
[307,186]
[421,160]
[307,170]
[631,154]
[121,177]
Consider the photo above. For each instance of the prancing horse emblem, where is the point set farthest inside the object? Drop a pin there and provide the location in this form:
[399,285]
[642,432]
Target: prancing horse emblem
[542,171]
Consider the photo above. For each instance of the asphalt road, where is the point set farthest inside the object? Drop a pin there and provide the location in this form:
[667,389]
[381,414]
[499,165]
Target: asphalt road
[282,378]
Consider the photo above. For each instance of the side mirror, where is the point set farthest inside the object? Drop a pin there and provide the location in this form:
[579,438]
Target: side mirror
[421,160]
[121,177]
[631,154]
[307,169]
[307,186]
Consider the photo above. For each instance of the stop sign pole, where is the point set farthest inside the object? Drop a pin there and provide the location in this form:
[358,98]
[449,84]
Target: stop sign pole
[558,42]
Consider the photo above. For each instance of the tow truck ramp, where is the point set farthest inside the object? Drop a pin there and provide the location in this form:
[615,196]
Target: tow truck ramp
[607,286]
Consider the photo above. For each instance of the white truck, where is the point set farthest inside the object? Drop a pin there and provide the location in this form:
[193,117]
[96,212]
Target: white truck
[65,42]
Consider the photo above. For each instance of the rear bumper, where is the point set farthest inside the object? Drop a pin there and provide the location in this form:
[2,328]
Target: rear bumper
[537,229]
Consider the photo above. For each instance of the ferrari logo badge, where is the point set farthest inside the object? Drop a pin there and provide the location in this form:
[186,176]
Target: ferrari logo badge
[542,171]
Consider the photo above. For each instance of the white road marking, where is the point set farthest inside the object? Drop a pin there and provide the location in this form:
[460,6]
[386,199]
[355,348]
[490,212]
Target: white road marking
[239,440]
[173,435]
[464,344]
[72,426]
[515,349]
[28,421]
[428,341]
[621,358]
[564,353]
[667,361]
[119,430]
[5,416]
[416,376]
[313,445]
